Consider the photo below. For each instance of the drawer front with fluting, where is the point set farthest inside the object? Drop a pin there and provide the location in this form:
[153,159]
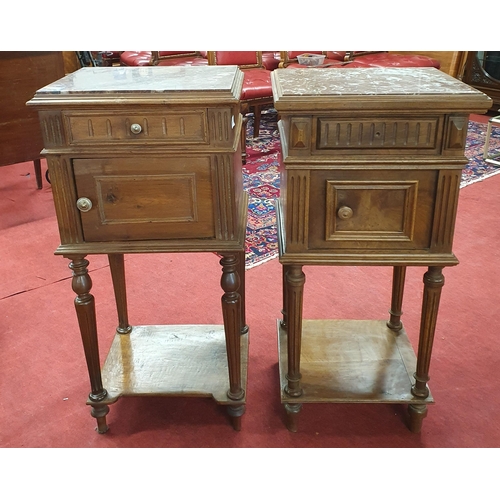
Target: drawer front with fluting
[389,136]
[374,134]
[173,127]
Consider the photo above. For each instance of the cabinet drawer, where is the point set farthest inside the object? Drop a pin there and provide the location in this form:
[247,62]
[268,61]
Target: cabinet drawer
[145,198]
[172,127]
[385,210]
[339,135]
[377,134]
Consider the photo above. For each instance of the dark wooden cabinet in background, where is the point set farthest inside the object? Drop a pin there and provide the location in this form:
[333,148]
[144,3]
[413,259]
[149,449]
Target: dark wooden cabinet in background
[482,71]
[21,75]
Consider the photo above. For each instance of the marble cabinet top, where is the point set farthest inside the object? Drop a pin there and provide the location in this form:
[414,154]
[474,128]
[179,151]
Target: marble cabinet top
[368,81]
[148,82]
[381,87]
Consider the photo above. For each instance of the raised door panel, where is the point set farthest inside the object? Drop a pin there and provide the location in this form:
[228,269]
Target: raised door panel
[371,210]
[381,210]
[149,198]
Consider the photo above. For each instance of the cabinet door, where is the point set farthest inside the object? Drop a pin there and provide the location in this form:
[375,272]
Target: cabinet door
[145,198]
[372,209]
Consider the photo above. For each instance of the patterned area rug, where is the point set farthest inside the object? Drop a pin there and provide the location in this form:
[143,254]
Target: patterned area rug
[477,169]
[261,178]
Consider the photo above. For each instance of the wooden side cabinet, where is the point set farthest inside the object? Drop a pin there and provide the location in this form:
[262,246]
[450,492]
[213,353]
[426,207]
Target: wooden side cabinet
[148,160]
[373,161]
[482,71]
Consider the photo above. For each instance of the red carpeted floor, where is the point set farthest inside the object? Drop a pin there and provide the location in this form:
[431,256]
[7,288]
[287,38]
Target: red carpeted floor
[43,378]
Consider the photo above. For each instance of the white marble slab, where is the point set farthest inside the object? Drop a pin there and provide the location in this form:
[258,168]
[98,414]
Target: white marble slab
[151,79]
[368,81]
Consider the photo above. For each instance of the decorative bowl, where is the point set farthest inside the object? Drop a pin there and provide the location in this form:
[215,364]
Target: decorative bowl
[311,59]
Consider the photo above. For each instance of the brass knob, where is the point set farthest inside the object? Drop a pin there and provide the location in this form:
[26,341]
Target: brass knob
[83,204]
[345,213]
[135,128]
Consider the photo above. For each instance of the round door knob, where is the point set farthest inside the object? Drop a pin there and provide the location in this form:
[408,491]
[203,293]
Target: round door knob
[345,213]
[84,204]
[135,128]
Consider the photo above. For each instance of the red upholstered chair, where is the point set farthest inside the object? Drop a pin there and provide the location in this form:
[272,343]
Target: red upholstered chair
[271,59]
[391,60]
[135,58]
[257,91]
[361,59]
[193,58]
[163,58]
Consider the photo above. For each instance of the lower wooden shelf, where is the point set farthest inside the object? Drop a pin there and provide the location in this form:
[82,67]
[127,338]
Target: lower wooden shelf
[173,360]
[351,361]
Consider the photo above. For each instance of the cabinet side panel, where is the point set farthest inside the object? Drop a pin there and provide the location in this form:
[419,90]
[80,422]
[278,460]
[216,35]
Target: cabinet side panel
[64,193]
[445,211]
[297,210]
[225,209]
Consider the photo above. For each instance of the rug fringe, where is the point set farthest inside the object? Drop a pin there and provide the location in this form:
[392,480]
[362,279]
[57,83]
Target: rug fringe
[485,176]
[263,261]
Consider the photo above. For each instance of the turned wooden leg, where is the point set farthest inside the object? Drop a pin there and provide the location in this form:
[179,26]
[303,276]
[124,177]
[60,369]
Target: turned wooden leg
[235,413]
[417,414]
[295,280]
[284,270]
[99,412]
[244,110]
[85,311]
[38,172]
[292,416]
[231,311]
[117,266]
[398,283]
[256,120]
[241,291]
[433,284]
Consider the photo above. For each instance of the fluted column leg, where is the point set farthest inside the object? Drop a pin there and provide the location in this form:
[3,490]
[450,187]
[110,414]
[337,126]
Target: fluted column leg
[433,284]
[295,280]
[241,291]
[117,267]
[85,311]
[398,283]
[231,311]
[284,270]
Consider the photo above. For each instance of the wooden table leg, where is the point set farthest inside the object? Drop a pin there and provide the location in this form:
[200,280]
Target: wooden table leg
[85,311]
[433,284]
[38,173]
[295,280]
[231,312]
[292,414]
[117,267]
[241,291]
[398,283]
[284,270]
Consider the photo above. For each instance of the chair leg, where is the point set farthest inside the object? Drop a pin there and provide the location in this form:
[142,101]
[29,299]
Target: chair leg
[244,140]
[256,120]
[38,173]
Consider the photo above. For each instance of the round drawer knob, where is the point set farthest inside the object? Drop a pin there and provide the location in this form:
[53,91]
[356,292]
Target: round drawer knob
[345,213]
[83,204]
[135,128]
